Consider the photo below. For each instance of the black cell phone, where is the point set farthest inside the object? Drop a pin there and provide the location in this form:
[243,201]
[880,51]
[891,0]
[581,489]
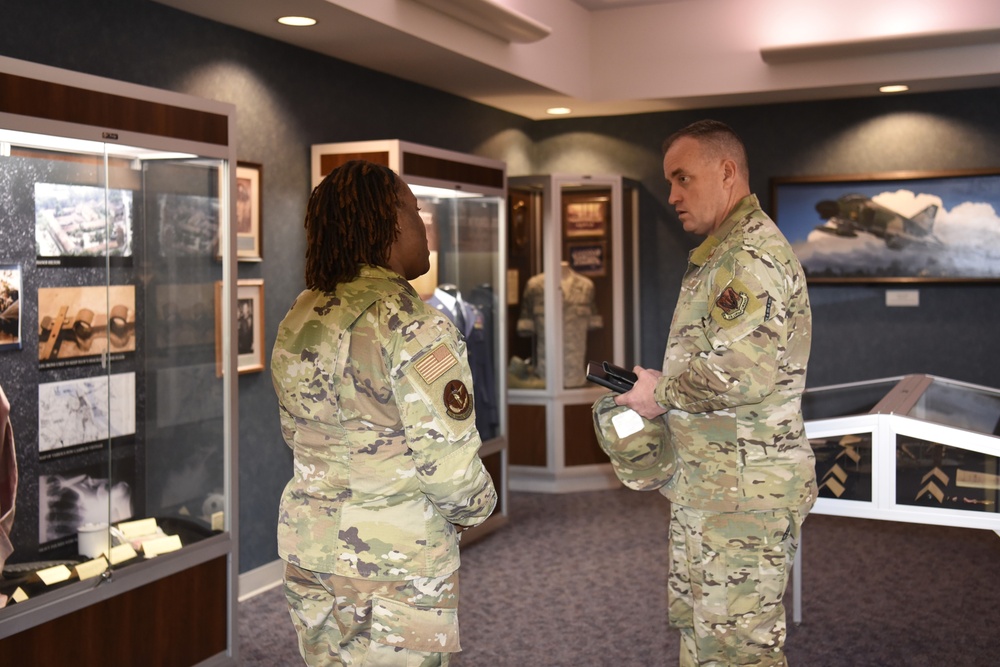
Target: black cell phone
[613,377]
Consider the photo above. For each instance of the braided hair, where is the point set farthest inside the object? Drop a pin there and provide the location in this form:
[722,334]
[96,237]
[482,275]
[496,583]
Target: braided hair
[351,220]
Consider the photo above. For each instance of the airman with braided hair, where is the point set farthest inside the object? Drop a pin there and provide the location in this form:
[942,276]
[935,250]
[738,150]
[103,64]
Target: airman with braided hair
[376,402]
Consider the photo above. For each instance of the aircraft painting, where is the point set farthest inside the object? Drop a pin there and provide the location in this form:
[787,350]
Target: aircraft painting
[851,214]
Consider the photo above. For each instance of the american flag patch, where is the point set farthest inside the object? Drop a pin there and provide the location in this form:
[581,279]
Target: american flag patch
[433,364]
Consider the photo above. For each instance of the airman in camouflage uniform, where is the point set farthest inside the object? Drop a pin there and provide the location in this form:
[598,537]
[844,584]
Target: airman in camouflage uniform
[375,398]
[733,374]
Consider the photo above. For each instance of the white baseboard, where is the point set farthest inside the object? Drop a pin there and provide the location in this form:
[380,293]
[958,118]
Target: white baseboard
[569,480]
[263,578]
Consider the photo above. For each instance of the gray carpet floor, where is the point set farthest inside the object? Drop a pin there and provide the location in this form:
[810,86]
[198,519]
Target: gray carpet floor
[578,580]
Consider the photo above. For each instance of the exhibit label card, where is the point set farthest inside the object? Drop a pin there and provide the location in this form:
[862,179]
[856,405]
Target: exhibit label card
[161,545]
[53,575]
[122,553]
[91,568]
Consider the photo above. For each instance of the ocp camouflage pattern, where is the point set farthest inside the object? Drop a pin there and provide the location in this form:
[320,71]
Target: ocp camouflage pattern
[371,385]
[734,370]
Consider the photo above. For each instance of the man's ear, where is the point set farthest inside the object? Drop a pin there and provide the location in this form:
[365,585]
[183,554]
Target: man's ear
[729,172]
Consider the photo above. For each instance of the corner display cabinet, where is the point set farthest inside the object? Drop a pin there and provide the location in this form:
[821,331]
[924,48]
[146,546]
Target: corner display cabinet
[572,295]
[917,449]
[461,200]
[114,211]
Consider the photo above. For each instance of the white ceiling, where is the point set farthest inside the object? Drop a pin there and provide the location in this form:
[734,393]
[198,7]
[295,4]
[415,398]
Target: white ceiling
[611,57]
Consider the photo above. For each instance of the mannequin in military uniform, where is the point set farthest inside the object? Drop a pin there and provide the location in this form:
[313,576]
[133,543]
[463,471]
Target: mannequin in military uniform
[376,401]
[579,316]
[731,386]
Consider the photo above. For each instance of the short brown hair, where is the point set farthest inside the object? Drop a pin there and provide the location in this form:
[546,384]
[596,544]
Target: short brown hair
[351,220]
[719,138]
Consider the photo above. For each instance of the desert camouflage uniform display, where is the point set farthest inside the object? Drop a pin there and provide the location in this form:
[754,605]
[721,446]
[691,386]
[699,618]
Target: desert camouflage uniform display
[375,399]
[733,374]
[579,316]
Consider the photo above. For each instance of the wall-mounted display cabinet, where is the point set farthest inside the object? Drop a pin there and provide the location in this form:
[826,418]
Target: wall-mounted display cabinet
[917,448]
[572,297]
[462,203]
[115,242]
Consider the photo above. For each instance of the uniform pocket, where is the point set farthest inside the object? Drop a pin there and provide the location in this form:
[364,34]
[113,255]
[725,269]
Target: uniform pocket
[747,561]
[428,629]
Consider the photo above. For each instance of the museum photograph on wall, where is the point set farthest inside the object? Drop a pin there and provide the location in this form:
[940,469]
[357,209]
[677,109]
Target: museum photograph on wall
[115,202]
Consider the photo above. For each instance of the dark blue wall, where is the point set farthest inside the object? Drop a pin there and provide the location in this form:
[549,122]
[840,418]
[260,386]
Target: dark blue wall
[288,99]
[856,336]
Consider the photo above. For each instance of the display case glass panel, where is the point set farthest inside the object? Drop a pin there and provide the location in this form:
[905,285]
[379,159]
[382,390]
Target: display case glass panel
[463,235]
[117,408]
[844,466]
[567,235]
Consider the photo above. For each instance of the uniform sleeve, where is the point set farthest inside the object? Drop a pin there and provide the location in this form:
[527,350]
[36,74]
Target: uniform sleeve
[433,385]
[742,336]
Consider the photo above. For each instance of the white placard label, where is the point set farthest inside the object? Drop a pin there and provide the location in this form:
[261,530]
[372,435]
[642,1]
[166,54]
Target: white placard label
[626,423]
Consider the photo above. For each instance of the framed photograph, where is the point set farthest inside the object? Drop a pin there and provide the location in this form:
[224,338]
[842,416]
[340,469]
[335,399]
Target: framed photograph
[588,258]
[80,325]
[248,207]
[585,215]
[10,306]
[82,225]
[249,334]
[893,227]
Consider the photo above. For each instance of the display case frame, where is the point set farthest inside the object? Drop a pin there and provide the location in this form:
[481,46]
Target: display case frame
[553,216]
[182,604]
[894,413]
[464,244]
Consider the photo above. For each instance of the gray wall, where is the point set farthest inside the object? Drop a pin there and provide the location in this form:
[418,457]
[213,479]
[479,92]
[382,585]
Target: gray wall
[288,99]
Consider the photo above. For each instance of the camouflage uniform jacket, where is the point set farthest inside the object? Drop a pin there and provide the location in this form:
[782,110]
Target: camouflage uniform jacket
[375,399]
[734,371]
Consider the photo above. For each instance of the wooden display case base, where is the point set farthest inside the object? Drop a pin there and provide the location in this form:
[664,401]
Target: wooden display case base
[177,621]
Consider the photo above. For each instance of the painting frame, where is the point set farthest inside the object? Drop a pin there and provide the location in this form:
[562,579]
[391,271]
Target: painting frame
[248,205]
[249,334]
[893,227]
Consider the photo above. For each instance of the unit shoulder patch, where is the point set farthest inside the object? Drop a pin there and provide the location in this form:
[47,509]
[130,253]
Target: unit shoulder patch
[457,400]
[734,303]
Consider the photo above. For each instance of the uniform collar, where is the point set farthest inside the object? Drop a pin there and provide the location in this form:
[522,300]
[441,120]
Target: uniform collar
[703,252]
[383,273]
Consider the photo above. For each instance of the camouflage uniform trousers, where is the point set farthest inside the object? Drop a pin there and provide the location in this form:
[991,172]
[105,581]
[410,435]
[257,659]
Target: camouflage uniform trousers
[728,573]
[365,623]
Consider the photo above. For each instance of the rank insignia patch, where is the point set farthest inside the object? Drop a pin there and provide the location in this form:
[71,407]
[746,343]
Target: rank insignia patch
[732,303]
[433,364]
[457,400]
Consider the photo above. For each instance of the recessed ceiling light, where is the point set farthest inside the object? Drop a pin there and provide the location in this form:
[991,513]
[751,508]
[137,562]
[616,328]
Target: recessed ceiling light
[558,111]
[298,21]
[896,88]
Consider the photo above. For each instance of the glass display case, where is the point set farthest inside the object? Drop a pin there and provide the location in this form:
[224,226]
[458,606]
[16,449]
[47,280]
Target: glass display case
[571,298]
[115,208]
[917,448]
[461,199]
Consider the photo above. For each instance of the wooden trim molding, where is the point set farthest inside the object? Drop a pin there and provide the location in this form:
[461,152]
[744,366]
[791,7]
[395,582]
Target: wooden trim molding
[54,101]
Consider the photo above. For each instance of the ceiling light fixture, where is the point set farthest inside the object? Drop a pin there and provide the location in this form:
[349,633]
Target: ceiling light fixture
[895,88]
[297,21]
[558,111]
